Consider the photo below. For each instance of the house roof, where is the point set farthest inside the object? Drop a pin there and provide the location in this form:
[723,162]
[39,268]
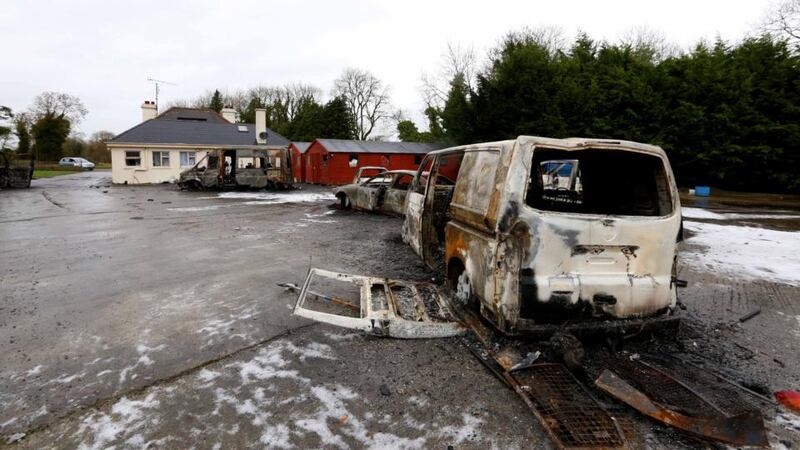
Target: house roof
[301,146]
[195,127]
[349,146]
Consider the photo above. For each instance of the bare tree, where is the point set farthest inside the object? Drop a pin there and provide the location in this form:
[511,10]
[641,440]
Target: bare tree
[649,44]
[367,100]
[785,20]
[456,60]
[59,105]
[285,99]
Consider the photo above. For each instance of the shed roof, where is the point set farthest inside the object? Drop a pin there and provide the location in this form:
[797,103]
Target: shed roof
[351,146]
[195,127]
[301,146]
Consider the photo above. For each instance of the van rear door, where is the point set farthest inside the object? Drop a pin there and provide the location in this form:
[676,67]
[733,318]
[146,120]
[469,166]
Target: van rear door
[606,227]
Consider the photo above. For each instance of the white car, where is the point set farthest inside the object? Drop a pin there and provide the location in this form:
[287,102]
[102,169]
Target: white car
[74,161]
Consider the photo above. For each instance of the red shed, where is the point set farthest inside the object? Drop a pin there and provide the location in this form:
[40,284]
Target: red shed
[297,149]
[335,161]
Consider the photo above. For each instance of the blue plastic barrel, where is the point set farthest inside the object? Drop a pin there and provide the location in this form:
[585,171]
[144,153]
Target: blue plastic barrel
[702,191]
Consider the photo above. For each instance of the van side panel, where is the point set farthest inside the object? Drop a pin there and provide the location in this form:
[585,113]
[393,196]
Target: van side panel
[475,187]
[475,250]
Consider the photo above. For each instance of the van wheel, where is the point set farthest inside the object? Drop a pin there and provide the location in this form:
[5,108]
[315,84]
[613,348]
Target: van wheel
[194,185]
[461,286]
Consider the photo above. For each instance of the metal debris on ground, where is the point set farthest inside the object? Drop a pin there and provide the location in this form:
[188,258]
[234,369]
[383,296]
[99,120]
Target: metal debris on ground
[750,315]
[745,429]
[379,306]
[660,386]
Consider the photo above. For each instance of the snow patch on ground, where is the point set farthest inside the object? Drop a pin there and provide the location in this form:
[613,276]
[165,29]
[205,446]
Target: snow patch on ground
[143,360]
[252,392]
[198,208]
[206,375]
[745,252]
[126,416]
[271,198]
[276,436]
[700,213]
[338,337]
[35,371]
[790,422]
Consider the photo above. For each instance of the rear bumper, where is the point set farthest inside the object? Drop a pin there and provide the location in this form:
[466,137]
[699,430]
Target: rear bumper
[617,296]
[584,329]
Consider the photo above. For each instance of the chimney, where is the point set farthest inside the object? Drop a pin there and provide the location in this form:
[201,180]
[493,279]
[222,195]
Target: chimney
[229,114]
[149,110]
[261,126]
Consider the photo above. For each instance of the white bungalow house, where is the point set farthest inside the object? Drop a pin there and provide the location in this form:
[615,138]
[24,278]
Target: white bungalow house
[163,145]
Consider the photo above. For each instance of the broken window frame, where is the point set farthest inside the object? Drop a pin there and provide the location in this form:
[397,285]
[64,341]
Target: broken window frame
[131,160]
[665,190]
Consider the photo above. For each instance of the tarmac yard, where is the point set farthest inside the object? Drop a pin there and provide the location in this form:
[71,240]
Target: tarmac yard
[149,317]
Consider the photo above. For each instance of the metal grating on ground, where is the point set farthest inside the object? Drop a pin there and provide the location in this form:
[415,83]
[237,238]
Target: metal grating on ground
[730,399]
[569,413]
[662,388]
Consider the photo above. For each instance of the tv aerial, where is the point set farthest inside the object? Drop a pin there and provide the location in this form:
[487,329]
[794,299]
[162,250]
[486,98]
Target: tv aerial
[157,83]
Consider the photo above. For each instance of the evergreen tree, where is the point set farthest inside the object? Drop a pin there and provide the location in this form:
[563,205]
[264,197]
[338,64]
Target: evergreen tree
[407,131]
[249,113]
[49,133]
[337,123]
[23,135]
[216,101]
[726,115]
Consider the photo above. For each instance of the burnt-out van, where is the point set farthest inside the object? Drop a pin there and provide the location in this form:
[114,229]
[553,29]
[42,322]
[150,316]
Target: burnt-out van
[261,168]
[540,231]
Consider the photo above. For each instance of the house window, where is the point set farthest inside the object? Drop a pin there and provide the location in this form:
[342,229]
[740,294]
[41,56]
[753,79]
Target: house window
[133,158]
[187,159]
[160,159]
[353,160]
[417,159]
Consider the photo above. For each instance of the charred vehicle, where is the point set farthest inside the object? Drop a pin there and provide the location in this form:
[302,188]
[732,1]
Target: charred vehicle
[536,231]
[16,170]
[366,172]
[384,192]
[240,169]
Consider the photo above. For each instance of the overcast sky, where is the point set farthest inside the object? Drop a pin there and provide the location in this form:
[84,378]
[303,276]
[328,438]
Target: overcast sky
[103,51]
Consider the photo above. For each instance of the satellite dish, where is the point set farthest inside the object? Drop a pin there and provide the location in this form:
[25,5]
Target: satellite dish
[262,135]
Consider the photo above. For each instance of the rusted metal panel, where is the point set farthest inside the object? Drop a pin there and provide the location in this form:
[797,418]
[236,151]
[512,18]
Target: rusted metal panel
[390,308]
[746,429]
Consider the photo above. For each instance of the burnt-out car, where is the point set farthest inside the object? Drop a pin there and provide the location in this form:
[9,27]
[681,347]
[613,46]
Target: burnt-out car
[384,192]
[538,231]
[240,169]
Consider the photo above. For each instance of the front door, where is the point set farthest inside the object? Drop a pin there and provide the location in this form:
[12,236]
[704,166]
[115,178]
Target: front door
[415,202]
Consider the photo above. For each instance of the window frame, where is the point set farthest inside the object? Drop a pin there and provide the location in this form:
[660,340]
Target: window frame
[161,159]
[191,158]
[128,158]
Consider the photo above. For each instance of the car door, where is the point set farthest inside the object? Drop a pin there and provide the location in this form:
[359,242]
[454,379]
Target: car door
[415,201]
[370,193]
[395,198]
